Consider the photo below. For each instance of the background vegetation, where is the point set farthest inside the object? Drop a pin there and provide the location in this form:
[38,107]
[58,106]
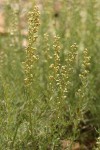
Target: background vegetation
[50,75]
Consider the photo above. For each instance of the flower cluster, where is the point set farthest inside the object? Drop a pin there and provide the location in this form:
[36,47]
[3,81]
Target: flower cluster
[85,66]
[31,57]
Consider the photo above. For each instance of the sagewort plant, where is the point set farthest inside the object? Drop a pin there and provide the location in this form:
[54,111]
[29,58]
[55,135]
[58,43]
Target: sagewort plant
[60,83]
[82,97]
[44,119]
[31,59]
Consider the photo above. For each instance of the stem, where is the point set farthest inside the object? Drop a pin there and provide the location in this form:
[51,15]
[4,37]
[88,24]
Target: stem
[14,137]
[30,111]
